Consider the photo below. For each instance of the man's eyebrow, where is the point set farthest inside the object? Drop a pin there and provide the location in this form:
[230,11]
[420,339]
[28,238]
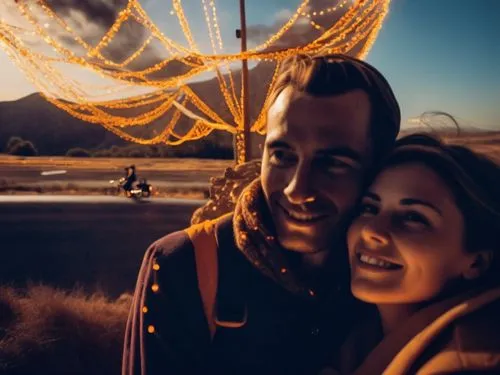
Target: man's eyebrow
[279,144]
[412,201]
[341,151]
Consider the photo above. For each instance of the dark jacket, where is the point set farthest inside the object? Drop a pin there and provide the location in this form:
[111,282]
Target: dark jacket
[282,334]
[129,180]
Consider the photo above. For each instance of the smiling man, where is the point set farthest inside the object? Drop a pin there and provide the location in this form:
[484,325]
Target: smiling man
[259,291]
[315,154]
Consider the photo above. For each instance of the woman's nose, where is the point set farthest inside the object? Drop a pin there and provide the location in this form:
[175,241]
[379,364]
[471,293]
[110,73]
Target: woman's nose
[375,233]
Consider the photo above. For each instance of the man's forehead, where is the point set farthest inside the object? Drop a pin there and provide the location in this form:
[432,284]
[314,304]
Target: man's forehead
[291,99]
[300,118]
[321,138]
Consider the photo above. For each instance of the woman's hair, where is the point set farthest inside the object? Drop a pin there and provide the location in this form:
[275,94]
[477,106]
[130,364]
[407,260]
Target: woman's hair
[474,181]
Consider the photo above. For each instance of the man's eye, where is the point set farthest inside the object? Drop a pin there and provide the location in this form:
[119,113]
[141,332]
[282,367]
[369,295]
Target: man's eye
[337,165]
[368,209]
[282,158]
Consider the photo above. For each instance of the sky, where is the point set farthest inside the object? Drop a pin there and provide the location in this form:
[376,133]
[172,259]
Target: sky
[437,54]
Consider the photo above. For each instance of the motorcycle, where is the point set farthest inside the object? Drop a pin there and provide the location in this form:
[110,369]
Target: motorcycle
[140,190]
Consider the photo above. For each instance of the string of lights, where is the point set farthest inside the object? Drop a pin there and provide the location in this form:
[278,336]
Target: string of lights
[110,97]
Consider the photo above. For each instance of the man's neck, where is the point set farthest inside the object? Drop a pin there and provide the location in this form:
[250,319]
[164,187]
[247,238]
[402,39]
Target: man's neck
[310,267]
[312,262]
[393,316]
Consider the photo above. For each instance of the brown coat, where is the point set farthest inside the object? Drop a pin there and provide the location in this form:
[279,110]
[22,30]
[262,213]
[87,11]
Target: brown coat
[461,334]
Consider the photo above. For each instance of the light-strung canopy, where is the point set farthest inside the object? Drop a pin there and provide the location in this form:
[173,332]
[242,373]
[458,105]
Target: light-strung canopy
[168,72]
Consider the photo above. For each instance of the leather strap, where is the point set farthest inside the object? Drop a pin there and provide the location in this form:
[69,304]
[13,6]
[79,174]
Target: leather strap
[204,242]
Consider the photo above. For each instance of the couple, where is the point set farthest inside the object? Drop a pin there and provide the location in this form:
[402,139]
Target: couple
[352,253]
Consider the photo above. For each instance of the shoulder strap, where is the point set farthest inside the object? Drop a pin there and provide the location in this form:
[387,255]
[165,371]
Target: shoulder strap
[223,303]
[230,305]
[203,237]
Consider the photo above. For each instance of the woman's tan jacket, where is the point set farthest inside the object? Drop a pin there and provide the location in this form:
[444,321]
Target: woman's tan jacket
[461,334]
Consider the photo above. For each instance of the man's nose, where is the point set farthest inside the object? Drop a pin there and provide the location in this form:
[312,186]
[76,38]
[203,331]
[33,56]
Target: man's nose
[375,233]
[300,188]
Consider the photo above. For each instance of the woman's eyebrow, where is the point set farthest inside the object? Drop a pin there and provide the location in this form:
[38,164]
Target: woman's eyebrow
[412,201]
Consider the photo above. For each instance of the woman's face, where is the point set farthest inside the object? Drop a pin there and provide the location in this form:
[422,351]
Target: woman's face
[406,245]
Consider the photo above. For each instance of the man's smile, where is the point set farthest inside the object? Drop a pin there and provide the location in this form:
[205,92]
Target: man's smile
[302,217]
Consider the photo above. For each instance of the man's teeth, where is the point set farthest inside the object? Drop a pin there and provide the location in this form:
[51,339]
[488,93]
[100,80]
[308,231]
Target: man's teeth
[302,216]
[375,262]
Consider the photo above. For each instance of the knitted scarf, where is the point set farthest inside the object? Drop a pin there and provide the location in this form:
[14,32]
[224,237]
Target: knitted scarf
[258,242]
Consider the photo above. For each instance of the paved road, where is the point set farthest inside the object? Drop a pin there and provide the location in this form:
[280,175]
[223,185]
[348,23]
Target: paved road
[95,242]
[32,175]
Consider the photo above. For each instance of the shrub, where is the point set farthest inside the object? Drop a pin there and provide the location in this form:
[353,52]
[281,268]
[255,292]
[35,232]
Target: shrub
[102,154]
[12,142]
[23,148]
[204,149]
[78,152]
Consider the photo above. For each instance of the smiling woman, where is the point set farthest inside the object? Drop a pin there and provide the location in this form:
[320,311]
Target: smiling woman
[424,250]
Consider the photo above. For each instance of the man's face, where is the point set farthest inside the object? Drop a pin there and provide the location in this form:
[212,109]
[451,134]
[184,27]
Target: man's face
[314,157]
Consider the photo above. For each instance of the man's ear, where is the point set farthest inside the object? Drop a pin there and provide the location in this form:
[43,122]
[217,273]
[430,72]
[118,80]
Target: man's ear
[480,263]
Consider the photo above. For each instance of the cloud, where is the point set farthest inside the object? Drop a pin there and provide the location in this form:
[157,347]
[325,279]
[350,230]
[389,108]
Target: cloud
[302,32]
[283,15]
[91,19]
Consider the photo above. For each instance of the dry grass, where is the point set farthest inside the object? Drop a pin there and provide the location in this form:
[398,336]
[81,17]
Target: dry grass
[47,331]
[143,164]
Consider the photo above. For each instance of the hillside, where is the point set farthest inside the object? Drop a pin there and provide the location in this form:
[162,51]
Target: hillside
[53,131]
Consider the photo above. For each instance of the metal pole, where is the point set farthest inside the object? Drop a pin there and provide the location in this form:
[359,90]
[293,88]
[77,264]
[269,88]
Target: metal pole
[245,87]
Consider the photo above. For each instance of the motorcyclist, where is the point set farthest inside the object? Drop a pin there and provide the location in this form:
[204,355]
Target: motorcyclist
[130,178]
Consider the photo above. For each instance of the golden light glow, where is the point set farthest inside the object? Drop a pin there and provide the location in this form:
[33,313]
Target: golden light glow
[186,115]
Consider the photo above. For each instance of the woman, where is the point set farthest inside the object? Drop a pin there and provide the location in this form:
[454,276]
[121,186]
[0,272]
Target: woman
[424,250]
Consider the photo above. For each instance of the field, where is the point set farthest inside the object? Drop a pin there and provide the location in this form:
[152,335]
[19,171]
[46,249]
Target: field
[175,178]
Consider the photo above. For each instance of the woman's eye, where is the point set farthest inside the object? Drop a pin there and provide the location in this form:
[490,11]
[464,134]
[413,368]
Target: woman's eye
[368,209]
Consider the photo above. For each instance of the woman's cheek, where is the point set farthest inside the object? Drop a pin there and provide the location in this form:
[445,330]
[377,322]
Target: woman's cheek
[354,232]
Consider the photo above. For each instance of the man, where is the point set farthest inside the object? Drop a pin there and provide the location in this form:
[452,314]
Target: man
[130,178]
[270,299]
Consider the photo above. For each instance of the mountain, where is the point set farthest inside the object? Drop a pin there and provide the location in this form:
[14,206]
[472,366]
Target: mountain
[53,131]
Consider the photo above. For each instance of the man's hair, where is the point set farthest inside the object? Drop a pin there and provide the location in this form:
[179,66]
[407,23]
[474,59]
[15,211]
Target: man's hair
[338,74]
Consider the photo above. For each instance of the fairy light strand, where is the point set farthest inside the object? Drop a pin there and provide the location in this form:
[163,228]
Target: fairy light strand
[357,26]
